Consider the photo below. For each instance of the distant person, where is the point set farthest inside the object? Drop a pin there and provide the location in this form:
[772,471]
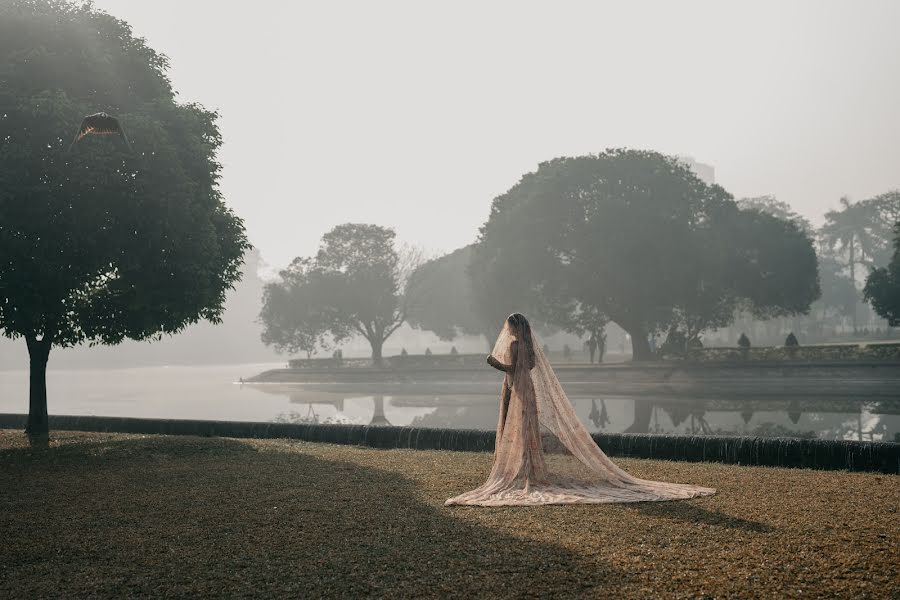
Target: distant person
[532,399]
[601,347]
[592,346]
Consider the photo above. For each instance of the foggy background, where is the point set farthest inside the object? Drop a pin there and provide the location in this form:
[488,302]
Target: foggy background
[416,115]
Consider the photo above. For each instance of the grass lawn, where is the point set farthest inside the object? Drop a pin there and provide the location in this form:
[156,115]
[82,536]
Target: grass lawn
[107,515]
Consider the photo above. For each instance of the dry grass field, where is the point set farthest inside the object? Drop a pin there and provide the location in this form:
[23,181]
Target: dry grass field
[110,515]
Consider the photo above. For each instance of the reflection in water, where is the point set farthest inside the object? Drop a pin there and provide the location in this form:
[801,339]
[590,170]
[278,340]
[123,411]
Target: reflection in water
[208,393]
[378,418]
[827,419]
[599,418]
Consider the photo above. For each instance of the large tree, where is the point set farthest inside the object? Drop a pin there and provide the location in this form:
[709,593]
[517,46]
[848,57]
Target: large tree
[445,298]
[776,208]
[101,244]
[847,235]
[297,315]
[637,237]
[884,213]
[355,285]
[860,234]
[883,286]
[366,277]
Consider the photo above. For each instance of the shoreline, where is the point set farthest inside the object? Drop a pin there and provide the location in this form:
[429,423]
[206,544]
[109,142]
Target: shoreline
[870,380]
[882,457]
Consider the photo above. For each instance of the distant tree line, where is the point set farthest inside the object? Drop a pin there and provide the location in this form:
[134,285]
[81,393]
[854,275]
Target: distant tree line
[628,237]
[854,242]
[625,236]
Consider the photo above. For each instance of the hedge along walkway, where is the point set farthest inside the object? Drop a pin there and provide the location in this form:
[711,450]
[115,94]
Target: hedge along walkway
[776,452]
[118,515]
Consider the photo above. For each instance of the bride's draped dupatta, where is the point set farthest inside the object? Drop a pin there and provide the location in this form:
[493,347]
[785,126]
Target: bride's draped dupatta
[544,454]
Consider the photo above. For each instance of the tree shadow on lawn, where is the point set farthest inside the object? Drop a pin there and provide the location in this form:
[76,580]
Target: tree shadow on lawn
[210,516]
[691,513]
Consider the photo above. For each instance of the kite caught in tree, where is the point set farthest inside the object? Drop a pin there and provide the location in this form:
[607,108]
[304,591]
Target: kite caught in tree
[99,124]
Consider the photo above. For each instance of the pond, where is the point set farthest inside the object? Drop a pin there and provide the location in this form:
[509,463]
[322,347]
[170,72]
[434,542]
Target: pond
[215,393]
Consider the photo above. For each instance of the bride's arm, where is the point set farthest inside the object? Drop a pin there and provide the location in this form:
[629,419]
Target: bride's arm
[499,365]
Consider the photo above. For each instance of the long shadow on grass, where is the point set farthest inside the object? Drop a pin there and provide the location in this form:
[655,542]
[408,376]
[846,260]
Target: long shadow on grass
[683,511]
[192,516]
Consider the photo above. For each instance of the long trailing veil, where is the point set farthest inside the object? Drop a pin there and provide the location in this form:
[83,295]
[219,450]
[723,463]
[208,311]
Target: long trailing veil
[544,454]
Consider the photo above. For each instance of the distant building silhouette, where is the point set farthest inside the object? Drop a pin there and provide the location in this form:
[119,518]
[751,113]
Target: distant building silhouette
[706,173]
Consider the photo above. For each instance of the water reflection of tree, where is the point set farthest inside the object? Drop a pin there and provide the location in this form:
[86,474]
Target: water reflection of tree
[482,416]
[643,410]
[775,430]
[310,418]
[766,417]
[794,411]
[378,417]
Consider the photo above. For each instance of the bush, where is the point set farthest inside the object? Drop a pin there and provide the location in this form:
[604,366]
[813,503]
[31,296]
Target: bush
[454,351]
[744,341]
[427,351]
[835,352]
[675,344]
[791,341]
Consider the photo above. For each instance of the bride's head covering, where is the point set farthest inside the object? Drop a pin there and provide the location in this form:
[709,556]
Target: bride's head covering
[518,329]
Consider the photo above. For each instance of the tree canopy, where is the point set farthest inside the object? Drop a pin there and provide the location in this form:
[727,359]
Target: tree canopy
[859,236]
[101,244]
[295,315]
[861,233]
[883,286]
[353,286]
[776,208]
[637,237]
[444,297]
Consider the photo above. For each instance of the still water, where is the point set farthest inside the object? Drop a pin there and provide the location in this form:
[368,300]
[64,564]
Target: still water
[215,393]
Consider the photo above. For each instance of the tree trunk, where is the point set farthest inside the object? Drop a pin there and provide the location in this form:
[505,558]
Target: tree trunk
[853,279]
[378,418]
[640,345]
[39,352]
[377,344]
[643,410]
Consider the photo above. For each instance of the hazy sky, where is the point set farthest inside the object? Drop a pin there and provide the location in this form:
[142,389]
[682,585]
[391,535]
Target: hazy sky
[417,114]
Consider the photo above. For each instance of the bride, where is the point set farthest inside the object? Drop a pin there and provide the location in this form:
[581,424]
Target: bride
[543,453]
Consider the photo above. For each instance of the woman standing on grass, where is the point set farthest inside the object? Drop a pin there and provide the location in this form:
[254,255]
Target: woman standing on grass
[543,454]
